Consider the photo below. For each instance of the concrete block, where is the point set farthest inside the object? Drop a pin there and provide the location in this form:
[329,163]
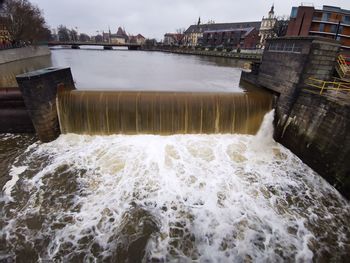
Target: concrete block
[39,91]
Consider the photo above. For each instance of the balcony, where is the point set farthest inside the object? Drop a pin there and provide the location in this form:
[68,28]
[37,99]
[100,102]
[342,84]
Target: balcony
[328,33]
[330,21]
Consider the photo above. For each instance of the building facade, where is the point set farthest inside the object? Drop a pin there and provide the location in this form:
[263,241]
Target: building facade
[330,22]
[246,38]
[193,36]
[266,29]
[120,38]
[138,39]
[4,33]
[173,39]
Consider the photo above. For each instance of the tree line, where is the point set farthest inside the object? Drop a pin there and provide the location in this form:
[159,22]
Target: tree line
[24,22]
[66,35]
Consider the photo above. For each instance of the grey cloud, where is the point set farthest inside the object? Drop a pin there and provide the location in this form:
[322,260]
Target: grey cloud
[153,18]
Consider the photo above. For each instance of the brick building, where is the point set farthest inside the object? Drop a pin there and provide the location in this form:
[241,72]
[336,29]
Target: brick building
[231,38]
[193,36]
[330,22]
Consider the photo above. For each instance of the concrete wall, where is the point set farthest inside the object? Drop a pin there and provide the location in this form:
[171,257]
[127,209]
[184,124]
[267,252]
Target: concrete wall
[315,127]
[243,55]
[39,90]
[284,71]
[15,54]
[317,130]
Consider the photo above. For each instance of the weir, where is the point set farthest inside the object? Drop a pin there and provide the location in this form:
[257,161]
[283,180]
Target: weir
[165,113]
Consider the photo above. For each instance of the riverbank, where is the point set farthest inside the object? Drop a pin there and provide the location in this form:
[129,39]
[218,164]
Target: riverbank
[15,54]
[253,56]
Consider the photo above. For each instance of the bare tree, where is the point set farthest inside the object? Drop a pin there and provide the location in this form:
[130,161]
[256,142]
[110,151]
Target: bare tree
[281,25]
[73,35]
[63,33]
[25,21]
[84,37]
[180,30]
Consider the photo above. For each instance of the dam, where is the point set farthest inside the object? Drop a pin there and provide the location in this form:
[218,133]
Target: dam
[165,113]
[132,174]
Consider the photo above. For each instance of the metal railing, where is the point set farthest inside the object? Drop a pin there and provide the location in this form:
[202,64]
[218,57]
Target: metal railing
[342,66]
[322,85]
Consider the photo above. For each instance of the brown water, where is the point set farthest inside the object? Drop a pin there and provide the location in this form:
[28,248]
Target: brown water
[180,198]
[105,113]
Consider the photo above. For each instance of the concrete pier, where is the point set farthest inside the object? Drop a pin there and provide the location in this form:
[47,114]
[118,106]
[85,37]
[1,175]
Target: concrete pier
[39,91]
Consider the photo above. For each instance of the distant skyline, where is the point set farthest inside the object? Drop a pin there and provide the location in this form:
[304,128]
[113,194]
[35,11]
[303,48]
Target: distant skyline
[154,18]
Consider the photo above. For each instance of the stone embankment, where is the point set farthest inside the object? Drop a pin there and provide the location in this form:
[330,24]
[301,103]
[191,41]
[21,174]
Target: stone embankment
[252,55]
[312,125]
[14,54]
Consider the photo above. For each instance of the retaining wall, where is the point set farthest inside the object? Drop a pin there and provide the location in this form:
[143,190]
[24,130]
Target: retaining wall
[315,127]
[209,53]
[9,55]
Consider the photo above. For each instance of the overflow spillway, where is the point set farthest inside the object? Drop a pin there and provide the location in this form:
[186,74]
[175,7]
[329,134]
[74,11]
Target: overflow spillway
[165,113]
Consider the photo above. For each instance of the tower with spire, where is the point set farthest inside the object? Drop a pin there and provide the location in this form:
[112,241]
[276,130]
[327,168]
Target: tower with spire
[266,29]
[272,12]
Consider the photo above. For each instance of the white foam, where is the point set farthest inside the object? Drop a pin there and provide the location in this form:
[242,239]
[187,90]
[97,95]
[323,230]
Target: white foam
[237,201]
[15,172]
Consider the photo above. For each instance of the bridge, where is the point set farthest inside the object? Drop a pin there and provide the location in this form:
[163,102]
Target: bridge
[107,46]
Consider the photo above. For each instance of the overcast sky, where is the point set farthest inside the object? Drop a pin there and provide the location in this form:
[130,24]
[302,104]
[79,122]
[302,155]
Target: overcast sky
[153,18]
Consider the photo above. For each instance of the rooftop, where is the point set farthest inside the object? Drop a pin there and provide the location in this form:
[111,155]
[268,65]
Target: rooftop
[248,29]
[222,26]
[335,9]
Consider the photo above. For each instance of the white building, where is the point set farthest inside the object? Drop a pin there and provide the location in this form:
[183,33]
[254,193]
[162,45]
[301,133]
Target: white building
[266,29]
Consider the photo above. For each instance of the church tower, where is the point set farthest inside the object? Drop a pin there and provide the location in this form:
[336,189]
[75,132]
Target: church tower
[266,27]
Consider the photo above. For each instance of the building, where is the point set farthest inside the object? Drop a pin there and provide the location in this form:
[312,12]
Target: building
[120,38]
[266,29]
[193,36]
[173,39]
[106,37]
[4,34]
[245,38]
[330,21]
[138,39]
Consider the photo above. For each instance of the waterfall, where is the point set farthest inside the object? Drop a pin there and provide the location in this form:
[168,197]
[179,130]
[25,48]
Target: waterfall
[164,113]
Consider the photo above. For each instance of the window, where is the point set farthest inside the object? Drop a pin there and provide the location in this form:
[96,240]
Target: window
[340,30]
[321,27]
[333,29]
[346,20]
[326,16]
[294,12]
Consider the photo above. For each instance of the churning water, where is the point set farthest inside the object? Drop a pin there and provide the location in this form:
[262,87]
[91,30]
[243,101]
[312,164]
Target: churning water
[204,198]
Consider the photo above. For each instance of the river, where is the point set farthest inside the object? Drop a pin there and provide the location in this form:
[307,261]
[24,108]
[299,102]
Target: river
[175,198]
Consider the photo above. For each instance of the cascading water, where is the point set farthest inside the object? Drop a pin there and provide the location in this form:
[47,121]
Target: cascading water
[209,198]
[165,113]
